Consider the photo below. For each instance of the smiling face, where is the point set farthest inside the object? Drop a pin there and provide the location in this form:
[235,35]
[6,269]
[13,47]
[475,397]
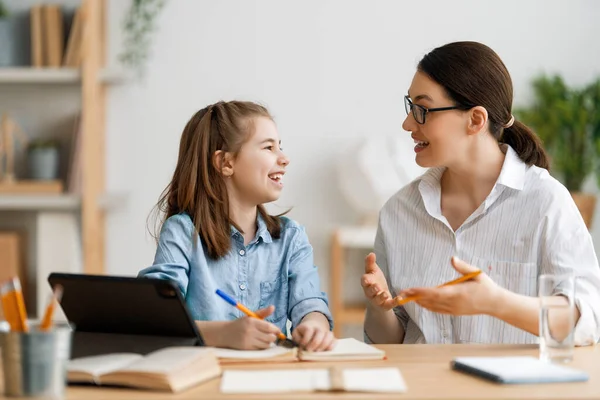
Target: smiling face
[440,140]
[256,172]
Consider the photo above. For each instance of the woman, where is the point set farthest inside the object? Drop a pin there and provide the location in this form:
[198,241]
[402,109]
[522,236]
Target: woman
[487,202]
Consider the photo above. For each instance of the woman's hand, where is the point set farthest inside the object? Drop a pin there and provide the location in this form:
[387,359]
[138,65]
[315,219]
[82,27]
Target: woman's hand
[313,333]
[375,286]
[476,296]
[247,333]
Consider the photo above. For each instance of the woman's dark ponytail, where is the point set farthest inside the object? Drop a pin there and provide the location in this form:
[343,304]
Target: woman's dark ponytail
[526,144]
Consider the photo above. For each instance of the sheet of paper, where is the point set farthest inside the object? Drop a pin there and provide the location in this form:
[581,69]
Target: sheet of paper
[98,365]
[375,380]
[384,380]
[273,381]
[346,348]
[273,351]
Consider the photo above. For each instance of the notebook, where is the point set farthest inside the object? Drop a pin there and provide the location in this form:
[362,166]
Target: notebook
[171,369]
[375,380]
[347,349]
[516,370]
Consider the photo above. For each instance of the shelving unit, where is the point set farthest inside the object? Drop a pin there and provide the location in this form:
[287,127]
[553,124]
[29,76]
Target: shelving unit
[344,238]
[68,229]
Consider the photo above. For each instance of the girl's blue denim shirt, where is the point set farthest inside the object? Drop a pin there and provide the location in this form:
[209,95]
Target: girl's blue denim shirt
[267,271]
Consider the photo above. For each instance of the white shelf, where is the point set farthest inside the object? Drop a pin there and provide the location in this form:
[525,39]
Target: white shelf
[22,202]
[25,75]
[57,202]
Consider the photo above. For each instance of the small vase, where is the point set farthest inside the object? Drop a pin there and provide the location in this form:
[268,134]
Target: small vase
[14,41]
[43,163]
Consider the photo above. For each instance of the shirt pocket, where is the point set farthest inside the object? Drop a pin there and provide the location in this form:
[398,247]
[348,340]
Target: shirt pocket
[517,277]
[274,293]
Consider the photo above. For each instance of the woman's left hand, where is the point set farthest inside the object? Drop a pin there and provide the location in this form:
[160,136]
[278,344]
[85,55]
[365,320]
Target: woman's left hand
[476,296]
[313,335]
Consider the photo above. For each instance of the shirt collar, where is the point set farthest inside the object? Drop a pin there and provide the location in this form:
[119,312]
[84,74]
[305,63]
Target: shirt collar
[261,231]
[512,174]
[513,170]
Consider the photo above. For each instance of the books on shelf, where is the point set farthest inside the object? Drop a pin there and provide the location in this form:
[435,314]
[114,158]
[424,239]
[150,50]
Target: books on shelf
[172,369]
[48,37]
[347,349]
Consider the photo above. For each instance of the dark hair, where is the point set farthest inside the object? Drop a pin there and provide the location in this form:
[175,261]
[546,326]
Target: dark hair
[197,187]
[474,75]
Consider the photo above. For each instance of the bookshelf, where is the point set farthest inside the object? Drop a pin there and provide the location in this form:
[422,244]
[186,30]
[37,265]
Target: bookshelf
[64,231]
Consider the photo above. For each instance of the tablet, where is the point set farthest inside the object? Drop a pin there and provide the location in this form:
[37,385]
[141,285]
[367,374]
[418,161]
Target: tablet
[115,314]
[517,370]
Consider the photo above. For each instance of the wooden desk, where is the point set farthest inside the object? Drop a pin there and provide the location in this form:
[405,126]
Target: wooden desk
[425,369]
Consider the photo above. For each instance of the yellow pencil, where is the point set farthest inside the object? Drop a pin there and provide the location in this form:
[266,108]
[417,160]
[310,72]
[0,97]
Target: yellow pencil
[13,305]
[54,299]
[466,277]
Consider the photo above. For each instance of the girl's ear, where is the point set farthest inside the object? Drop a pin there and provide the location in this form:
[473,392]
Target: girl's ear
[223,162]
[478,117]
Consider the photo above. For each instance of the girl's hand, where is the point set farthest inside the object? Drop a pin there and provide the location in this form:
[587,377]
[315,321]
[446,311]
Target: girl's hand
[375,286]
[313,334]
[476,296]
[247,333]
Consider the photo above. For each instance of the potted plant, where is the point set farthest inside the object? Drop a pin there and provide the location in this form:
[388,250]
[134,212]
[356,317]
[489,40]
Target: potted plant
[564,118]
[138,26]
[43,159]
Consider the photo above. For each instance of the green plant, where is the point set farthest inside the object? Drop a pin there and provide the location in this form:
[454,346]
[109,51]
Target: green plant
[42,143]
[566,119]
[3,10]
[139,24]
[593,96]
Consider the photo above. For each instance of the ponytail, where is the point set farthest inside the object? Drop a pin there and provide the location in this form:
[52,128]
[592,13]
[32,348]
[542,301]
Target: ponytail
[527,145]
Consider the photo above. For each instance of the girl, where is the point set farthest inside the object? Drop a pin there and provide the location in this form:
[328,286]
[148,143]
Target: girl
[218,235]
[487,199]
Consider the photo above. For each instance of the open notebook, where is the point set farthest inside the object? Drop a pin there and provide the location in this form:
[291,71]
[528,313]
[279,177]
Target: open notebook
[171,369]
[376,380]
[348,349]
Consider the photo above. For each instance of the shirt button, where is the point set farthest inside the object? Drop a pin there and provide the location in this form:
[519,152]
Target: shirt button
[243,287]
[242,252]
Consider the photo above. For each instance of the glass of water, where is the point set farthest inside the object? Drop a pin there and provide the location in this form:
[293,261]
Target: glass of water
[557,319]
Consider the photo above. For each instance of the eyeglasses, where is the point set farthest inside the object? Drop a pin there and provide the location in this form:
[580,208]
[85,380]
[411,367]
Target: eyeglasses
[420,112]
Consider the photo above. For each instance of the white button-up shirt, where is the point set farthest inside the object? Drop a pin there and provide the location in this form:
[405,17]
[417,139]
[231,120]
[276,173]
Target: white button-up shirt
[527,226]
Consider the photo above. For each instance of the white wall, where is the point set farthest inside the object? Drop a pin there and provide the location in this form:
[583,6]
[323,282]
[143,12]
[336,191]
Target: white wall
[331,72]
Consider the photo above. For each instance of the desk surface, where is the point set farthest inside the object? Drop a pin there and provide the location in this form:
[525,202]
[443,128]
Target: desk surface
[425,368]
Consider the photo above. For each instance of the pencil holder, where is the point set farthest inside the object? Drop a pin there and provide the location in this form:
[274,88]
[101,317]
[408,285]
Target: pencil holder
[35,362]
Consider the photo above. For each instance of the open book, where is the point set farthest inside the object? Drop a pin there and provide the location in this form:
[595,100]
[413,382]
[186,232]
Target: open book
[348,349]
[171,369]
[376,380]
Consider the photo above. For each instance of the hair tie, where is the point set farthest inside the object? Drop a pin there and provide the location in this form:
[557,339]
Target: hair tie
[510,122]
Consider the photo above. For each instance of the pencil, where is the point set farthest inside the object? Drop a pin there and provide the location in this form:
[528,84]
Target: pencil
[249,313]
[14,305]
[54,298]
[466,277]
